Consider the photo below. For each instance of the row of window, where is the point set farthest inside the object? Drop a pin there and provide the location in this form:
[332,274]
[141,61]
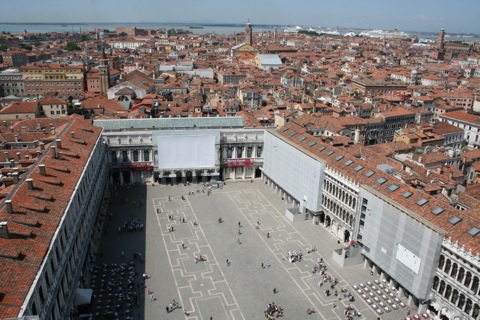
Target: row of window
[126,155]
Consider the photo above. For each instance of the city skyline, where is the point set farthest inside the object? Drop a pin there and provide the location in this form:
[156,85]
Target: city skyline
[423,15]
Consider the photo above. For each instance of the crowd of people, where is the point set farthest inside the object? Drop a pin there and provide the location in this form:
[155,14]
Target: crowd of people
[114,290]
[294,256]
[132,225]
[319,267]
[272,311]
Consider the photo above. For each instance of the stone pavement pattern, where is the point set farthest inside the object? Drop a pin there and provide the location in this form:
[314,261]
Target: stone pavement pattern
[242,289]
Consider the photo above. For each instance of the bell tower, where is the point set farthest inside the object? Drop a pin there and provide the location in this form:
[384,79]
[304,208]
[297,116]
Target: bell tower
[104,69]
[248,34]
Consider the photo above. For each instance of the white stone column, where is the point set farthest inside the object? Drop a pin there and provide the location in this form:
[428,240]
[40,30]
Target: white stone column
[234,153]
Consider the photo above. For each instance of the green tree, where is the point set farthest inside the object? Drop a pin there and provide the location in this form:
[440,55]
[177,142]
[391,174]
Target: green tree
[72,46]
[26,46]
[122,34]
[3,47]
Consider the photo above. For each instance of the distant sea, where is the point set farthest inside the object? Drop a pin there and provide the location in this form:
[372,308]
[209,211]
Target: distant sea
[15,28]
[198,28]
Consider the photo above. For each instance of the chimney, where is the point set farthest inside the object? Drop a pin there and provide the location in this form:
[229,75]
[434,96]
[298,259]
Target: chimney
[42,169]
[54,152]
[12,163]
[53,130]
[30,184]
[72,134]
[16,138]
[42,146]
[39,153]
[4,230]
[39,127]
[11,129]
[8,203]
[18,156]
[15,177]
[6,156]
[59,143]
[60,155]
[27,156]
[5,123]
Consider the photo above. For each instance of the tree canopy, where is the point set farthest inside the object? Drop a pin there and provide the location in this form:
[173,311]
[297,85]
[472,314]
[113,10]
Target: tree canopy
[72,46]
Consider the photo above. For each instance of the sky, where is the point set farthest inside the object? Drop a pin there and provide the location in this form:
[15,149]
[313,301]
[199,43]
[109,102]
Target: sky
[406,15]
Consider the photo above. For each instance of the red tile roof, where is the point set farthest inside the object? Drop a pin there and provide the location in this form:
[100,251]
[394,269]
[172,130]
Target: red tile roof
[38,212]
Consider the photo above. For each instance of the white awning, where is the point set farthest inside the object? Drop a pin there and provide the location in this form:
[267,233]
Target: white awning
[83,296]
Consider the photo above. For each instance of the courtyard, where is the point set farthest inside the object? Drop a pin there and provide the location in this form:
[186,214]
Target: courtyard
[180,223]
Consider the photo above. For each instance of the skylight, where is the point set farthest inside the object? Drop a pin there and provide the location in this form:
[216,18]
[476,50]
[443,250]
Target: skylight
[422,201]
[358,168]
[393,187]
[406,194]
[380,180]
[347,163]
[437,211]
[292,134]
[370,173]
[338,158]
[330,152]
[321,148]
[311,144]
[301,139]
[473,231]
[284,129]
[454,220]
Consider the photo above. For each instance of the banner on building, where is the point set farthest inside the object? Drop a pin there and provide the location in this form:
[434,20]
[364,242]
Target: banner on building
[136,166]
[241,162]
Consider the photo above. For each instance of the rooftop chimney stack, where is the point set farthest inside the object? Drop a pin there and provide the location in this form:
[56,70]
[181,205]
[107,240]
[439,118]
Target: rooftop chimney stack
[4,230]
[16,138]
[60,155]
[18,156]
[59,143]
[12,163]
[30,184]
[42,146]
[6,157]
[54,152]
[72,134]
[39,127]
[9,205]
[42,169]
[15,177]
[11,128]
[39,153]
[5,123]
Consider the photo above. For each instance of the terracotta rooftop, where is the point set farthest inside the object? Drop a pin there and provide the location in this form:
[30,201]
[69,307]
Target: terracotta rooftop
[37,213]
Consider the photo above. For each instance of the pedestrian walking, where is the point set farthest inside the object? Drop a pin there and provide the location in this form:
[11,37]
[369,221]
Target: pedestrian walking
[239,232]
[238,240]
[227,262]
[263,266]
[183,245]
[149,291]
[274,290]
[151,296]
[267,264]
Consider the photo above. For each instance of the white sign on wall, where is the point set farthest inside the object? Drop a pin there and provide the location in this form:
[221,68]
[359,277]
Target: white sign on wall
[408,258]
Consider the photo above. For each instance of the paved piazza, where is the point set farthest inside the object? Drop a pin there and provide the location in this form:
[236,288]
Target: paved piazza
[211,288]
